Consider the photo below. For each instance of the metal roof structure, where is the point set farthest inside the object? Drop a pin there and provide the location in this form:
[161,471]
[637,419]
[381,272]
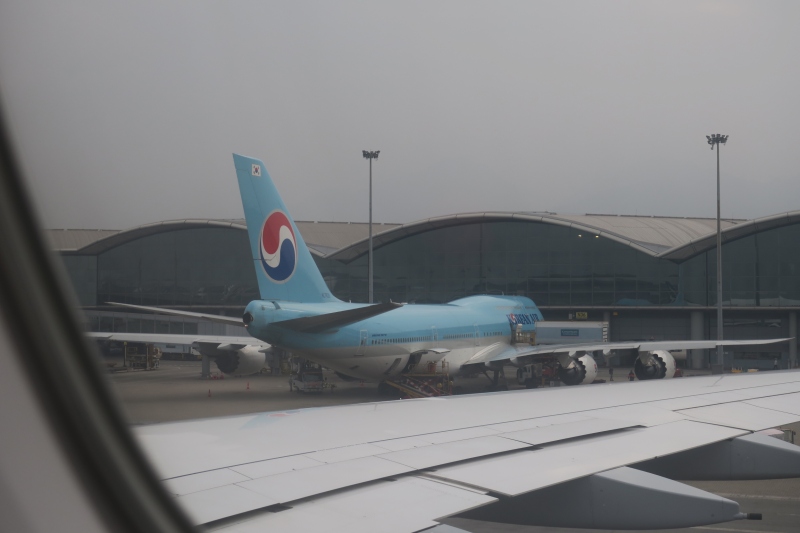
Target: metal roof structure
[322,238]
[72,240]
[672,238]
[650,235]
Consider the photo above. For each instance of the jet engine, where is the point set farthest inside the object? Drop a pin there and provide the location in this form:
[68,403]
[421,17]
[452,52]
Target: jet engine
[580,371]
[247,360]
[658,364]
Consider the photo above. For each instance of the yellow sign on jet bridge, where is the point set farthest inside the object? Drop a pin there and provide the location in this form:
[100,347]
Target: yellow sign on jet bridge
[581,315]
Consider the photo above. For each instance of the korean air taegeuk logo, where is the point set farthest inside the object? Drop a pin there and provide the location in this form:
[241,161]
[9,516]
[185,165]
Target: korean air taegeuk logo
[278,247]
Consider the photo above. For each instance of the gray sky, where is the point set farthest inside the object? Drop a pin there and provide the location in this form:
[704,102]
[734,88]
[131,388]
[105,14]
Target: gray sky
[127,113]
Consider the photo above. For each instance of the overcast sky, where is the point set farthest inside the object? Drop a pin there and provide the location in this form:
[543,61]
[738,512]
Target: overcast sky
[127,112]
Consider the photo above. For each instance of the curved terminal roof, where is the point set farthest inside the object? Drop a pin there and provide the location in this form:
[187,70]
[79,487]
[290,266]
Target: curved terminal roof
[650,235]
[749,227]
[322,238]
[672,238]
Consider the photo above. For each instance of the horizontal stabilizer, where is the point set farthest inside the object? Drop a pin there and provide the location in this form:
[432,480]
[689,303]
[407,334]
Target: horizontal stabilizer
[318,323]
[230,320]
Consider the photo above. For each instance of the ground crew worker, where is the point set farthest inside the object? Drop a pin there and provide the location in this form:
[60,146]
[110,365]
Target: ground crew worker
[631,376]
[610,374]
[775,364]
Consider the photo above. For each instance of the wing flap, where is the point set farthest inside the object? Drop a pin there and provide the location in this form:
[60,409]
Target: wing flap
[299,484]
[741,415]
[451,452]
[572,460]
[406,505]
[275,466]
[221,502]
[184,485]
[788,403]
[543,435]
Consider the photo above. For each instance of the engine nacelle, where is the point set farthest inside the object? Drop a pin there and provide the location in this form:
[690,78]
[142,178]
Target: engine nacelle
[581,371]
[243,362]
[658,364]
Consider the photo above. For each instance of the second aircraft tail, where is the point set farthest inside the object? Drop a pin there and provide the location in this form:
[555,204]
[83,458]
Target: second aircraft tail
[284,267]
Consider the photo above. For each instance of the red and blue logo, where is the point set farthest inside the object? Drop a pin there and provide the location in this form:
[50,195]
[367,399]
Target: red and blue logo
[278,247]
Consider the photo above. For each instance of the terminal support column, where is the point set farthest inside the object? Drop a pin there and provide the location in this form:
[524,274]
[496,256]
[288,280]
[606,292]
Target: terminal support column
[793,342]
[697,330]
[205,372]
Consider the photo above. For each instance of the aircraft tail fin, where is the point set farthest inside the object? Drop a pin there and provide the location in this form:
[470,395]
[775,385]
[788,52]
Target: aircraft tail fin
[284,267]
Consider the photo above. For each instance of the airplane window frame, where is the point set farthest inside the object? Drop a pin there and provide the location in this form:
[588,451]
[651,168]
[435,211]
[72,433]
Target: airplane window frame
[40,311]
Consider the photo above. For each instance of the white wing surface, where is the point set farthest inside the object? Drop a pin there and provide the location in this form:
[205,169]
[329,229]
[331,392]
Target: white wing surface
[401,466]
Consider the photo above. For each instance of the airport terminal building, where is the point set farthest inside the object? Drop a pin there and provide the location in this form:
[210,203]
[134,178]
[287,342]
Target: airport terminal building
[649,277]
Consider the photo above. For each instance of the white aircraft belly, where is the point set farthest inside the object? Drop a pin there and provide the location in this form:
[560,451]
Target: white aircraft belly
[378,360]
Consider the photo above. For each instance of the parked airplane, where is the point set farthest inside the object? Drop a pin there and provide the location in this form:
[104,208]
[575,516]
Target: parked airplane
[380,342]
[597,457]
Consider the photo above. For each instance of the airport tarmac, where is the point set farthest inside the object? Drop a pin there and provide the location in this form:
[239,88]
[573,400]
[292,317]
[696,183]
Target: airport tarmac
[176,391]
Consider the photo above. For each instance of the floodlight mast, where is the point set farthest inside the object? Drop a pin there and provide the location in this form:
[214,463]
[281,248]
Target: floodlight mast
[370,155]
[717,139]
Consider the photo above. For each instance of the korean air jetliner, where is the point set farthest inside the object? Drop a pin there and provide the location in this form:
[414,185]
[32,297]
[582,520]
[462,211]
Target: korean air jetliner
[383,341]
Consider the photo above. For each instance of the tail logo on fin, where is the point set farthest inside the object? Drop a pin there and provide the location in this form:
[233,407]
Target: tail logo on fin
[278,247]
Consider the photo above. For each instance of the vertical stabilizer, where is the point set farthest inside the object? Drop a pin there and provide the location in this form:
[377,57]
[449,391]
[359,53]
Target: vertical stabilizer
[284,266]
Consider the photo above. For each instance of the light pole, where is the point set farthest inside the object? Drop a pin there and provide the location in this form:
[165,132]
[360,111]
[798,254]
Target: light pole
[370,155]
[717,139]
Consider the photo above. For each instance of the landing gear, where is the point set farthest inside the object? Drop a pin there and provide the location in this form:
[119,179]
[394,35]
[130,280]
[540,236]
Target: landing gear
[384,389]
[495,381]
[528,377]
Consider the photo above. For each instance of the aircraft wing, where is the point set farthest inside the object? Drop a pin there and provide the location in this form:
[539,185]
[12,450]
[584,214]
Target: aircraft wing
[166,338]
[523,353]
[403,466]
[230,320]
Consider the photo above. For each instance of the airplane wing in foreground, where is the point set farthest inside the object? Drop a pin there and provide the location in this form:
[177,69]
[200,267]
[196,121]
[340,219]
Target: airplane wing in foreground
[585,458]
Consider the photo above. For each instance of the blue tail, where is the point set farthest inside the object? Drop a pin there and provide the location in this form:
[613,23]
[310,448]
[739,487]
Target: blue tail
[284,266]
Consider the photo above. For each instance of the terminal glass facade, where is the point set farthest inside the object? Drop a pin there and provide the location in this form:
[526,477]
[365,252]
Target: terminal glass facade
[191,267]
[554,265]
[760,270]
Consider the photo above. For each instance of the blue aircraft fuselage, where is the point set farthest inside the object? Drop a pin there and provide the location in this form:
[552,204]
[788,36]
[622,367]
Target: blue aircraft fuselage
[382,346]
